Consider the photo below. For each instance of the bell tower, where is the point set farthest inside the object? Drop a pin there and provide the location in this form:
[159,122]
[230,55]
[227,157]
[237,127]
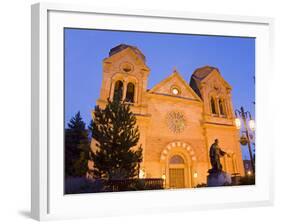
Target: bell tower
[125,76]
[215,92]
[218,116]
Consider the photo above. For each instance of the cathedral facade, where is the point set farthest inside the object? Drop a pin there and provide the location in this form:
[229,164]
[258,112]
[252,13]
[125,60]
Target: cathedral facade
[177,121]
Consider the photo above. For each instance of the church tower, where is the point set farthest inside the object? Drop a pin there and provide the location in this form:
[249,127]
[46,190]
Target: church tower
[125,75]
[218,115]
[215,92]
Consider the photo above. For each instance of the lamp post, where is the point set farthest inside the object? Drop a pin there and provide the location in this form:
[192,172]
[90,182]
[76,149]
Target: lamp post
[246,115]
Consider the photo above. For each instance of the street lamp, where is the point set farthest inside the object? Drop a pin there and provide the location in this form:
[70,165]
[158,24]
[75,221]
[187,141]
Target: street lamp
[141,173]
[252,124]
[238,123]
[246,115]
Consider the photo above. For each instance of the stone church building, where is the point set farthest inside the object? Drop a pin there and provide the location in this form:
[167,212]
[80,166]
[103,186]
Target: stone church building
[178,121]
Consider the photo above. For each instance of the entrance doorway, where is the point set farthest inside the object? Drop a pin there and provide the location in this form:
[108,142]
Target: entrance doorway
[176,172]
[176,177]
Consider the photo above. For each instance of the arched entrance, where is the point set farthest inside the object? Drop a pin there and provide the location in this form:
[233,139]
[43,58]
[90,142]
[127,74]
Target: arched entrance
[178,165]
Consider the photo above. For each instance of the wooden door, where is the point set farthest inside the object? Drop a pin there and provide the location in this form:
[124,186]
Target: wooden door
[176,177]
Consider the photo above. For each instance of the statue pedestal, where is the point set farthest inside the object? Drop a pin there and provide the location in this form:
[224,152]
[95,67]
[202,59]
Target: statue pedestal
[217,179]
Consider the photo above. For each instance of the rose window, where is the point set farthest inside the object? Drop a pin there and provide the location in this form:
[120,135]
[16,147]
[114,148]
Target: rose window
[176,121]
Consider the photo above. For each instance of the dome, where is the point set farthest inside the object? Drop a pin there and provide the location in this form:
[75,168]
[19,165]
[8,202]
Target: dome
[122,47]
[201,73]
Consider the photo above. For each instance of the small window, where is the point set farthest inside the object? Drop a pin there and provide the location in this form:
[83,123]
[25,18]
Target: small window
[176,160]
[213,106]
[175,91]
[118,90]
[130,93]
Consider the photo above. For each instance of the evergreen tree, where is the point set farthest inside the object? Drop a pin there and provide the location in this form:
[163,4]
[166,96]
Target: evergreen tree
[115,133]
[77,147]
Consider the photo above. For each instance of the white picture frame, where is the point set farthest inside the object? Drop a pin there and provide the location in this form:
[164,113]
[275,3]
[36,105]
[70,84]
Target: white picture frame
[48,201]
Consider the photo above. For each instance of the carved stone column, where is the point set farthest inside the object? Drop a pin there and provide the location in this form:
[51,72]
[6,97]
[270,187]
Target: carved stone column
[125,83]
[136,93]
[217,105]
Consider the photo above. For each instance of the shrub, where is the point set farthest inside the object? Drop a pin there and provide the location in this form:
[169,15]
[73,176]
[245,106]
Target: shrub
[201,185]
[247,180]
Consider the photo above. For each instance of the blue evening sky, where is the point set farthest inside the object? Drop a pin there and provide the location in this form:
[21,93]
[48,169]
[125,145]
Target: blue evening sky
[85,50]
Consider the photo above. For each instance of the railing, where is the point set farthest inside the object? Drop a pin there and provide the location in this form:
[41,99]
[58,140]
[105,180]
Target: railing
[135,184]
[85,185]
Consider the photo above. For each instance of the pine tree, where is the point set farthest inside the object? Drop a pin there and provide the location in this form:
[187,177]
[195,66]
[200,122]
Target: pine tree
[115,132]
[77,147]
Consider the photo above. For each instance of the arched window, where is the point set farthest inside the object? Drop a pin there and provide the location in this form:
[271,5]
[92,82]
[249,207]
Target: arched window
[213,106]
[176,160]
[130,92]
[222,107]
[118,90]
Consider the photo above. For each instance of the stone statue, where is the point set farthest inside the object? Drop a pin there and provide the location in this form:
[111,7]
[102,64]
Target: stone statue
[215,153]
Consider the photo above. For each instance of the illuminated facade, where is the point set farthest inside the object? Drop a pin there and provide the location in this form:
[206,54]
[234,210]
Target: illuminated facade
[178,121]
